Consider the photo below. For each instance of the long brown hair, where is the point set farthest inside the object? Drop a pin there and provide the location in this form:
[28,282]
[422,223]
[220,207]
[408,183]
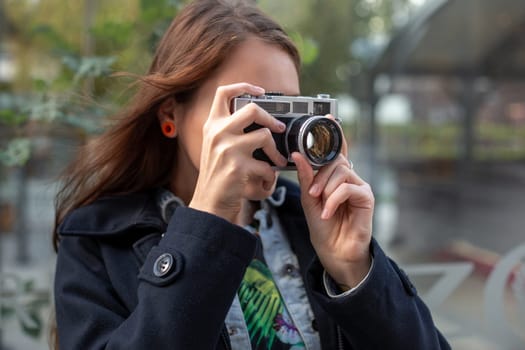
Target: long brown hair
[132,154]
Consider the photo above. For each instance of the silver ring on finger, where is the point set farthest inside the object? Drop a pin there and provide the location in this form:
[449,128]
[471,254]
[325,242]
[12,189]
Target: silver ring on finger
[350,164]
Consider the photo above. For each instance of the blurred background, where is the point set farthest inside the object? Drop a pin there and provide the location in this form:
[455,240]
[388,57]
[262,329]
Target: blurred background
[432,94]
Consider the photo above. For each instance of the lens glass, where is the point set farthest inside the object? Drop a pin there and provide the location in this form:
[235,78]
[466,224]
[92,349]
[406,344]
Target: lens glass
[322,141]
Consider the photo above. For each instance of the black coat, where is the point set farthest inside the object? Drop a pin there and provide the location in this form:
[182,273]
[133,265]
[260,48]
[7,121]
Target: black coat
[107,294]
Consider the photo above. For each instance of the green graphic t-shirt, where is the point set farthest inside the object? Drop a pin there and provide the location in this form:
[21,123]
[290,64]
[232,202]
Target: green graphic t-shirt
[269,324]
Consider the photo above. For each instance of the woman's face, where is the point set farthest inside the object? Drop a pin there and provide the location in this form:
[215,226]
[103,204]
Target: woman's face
[255,62]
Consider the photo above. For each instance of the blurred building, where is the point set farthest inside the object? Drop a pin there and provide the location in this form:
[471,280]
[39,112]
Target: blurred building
[446,132]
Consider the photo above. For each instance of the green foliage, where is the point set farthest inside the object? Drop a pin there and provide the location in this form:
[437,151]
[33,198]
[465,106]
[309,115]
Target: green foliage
[21,299]
[66,99]
[88,67]
[11,118]
[63,86]
[113,34]
[155,11]
[346,35]
[499,141]
[47,36]
[158,14]
[17,152]
[308,48]
[445,141]
[327,25]
[420,141]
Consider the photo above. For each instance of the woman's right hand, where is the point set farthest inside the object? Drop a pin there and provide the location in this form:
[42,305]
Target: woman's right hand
[228,173]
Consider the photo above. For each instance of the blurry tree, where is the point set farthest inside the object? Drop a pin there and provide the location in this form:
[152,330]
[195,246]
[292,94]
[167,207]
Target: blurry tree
[64,53]
[340,38]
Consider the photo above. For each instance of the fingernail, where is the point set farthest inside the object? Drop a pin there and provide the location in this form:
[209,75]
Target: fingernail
[313,190]
[325,214]
[280,125]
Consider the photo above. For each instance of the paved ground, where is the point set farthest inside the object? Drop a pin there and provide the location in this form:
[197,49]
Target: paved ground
[477,216]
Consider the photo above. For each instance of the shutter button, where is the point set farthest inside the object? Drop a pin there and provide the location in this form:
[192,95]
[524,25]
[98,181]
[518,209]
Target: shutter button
[163,265]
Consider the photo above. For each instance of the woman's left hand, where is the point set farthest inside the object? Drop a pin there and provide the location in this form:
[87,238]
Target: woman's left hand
[339,207]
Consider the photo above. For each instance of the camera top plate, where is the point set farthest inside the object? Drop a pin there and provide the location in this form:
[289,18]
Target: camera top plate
[275,103]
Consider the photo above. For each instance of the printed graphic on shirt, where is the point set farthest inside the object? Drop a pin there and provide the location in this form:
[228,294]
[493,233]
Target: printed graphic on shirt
[269,324]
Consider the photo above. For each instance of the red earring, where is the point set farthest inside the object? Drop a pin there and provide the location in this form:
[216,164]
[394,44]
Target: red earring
[168,129]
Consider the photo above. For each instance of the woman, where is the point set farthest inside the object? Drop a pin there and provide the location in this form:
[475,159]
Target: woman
[171,235]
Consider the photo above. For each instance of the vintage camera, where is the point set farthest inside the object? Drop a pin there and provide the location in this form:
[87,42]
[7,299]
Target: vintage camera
[308,130]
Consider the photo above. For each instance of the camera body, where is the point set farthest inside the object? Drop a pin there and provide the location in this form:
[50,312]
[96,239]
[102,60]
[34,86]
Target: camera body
[308,130]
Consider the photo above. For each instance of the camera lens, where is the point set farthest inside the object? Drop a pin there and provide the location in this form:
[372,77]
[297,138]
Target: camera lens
[321,140]
[317,137]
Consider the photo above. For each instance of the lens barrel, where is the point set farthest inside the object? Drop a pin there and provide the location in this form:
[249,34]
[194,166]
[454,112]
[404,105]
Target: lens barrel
[318,138]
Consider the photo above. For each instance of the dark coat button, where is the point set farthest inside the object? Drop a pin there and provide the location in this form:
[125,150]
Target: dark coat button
[163,265]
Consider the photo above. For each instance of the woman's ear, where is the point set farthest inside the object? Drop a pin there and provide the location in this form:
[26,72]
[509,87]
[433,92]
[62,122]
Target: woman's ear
[166,116]
[166,109]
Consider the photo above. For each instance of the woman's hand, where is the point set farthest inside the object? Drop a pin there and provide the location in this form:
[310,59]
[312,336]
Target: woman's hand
[339,207]
[228,173]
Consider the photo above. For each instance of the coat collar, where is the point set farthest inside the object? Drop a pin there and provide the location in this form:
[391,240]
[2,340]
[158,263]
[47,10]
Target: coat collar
[113,215]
